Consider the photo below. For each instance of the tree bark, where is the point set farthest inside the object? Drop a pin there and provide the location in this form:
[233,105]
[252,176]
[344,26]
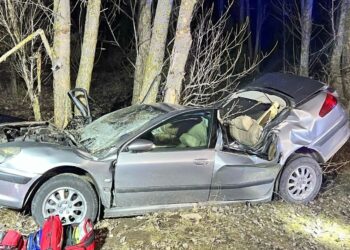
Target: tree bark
[346,61]
[144,39]
[61,62]
[306,29]
[154,62]
[242,15]
[259,23]
[88,49]
[336,79]
[13,81]
[250,42]
[182,45]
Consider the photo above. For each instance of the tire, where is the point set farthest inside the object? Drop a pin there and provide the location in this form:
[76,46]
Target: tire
[67,195]
[301,180]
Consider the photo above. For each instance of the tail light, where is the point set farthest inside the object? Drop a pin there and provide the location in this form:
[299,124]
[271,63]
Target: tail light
[328,104]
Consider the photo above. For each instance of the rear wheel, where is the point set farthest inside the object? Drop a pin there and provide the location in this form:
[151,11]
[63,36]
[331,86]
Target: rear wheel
[301,180]
[67,195]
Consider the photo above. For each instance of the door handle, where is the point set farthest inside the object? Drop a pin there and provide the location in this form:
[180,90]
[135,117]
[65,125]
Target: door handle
[201,162]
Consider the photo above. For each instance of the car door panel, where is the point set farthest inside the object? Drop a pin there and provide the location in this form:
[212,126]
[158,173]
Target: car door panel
[163,177]
[242,177]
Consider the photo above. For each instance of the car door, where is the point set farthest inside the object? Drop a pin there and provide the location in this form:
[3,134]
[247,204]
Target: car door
[177,170]
[240,175]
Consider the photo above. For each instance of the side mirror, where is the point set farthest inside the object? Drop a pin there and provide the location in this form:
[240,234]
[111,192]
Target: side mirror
[75,95]
[141,145]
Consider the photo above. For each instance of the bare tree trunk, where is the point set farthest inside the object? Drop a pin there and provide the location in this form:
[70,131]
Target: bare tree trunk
[144,39]
[306,29]
[259,23]
[335,64]
[13,82]
[61,62]
[284,35]
[346,61]
[241,11]
[250,43]
[88,50]
[182,45]
[13,26]
[154,62]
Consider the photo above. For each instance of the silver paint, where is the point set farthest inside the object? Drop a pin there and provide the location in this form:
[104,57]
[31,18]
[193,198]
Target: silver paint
[150,181]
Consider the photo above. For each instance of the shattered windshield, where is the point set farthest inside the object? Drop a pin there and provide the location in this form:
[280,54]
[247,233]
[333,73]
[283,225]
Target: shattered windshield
[106,131]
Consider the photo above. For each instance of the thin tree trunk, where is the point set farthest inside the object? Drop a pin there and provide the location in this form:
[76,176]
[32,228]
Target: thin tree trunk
[27,73]
[306,28]
[241,11]
[144,39]
[346,62]
[36,108]
[259,23]
[250,43]
[13,81]
[336,79]
[284,36]
[182,45]
[61,62]
[154,62]
[88,49]
[221,7]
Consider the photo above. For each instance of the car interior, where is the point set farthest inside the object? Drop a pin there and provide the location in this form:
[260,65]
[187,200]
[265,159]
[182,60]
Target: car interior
[247,115]
[189,131]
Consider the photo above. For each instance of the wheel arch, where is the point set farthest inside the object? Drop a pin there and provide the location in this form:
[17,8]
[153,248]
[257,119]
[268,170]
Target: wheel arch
[300,152]
[56,171]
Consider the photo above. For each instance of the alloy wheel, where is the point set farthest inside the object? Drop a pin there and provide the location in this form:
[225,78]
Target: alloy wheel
[66,202]
[301,182]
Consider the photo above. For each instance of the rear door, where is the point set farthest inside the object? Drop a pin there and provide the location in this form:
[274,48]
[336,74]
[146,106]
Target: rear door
[178,170]
[239,176]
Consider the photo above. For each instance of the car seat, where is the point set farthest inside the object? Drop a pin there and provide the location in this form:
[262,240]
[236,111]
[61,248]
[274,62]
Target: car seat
[245,130]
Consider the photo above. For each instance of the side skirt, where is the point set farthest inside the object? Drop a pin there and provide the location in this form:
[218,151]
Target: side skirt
[141,210]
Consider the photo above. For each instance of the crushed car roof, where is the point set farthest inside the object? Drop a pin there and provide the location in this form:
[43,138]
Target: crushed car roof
[297,87]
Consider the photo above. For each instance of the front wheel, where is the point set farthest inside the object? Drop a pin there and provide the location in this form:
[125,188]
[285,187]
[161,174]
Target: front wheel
[67,195]
[301,180]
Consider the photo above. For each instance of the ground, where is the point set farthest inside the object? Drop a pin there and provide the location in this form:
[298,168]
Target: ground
[322,224]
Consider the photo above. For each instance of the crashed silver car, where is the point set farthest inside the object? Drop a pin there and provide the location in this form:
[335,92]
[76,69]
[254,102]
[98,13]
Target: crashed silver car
[268,138]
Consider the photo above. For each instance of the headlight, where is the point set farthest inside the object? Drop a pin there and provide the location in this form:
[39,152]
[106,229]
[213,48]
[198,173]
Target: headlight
[8,152]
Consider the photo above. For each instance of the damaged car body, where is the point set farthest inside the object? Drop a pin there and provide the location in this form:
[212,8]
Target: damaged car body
[269,137]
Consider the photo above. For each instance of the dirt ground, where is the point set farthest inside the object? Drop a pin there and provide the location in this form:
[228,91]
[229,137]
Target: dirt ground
[322,224]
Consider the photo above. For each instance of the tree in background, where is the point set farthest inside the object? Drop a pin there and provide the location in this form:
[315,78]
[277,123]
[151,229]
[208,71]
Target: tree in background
[143,39]
[88,49]
[346,62]
[182,45]
[306,29]
[218,60]
[260,18]
[18,20]
[335,62]
[154,62]
[61,62]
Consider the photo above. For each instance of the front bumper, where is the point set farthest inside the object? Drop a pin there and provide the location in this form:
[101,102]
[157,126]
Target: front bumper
[14,189]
